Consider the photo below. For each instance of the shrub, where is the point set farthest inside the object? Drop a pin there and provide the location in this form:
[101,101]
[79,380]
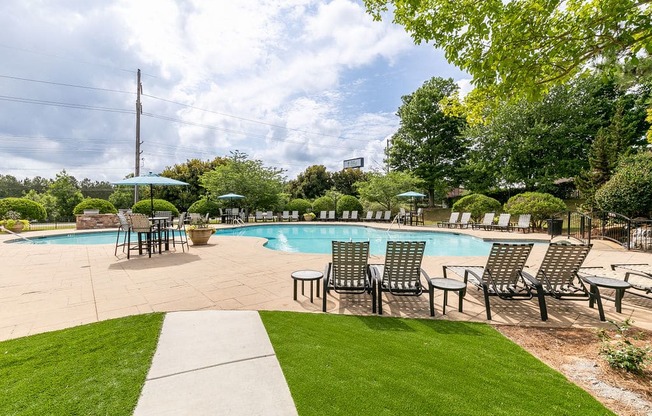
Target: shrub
[477,205]
[145,207]
[28,209]
[323,203]
[103,205]
[629,191]
[300,205]
[541,206]
[204,206]
[348,203]
[622,353]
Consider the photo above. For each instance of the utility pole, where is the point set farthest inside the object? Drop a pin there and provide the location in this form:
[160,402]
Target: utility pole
[139,111]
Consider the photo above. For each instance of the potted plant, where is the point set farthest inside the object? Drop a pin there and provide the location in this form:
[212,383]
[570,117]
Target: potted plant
[12,222]
[199,231]
[309,216]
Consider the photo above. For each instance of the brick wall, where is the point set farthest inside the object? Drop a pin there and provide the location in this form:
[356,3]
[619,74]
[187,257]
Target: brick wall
[97,221]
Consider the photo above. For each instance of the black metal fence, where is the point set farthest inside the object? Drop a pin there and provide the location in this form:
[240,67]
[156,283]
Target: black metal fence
[631,234]
[40,226]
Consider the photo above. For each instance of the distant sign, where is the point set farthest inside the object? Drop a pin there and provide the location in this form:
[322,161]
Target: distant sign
[358,162]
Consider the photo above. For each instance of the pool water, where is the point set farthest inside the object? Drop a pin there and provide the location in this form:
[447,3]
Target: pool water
[88,238]
[318,238]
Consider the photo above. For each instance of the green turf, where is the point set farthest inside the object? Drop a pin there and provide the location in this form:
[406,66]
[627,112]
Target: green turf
[96,369]
[351,365]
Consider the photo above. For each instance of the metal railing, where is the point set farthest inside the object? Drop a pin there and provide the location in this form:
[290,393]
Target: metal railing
[40,226]
[576,225]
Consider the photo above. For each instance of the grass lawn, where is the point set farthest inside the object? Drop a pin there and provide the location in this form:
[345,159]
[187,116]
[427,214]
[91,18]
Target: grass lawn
[351,365]
[96,369]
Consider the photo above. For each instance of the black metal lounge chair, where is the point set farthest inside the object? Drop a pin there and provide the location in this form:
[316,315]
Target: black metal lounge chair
[349,271]
[401,273]
[501,276]
[639,275]
[557,276]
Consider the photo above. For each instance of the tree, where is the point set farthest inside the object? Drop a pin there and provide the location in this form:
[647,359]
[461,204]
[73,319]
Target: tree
[522,47]
[383,189]
[10,187]
[123,196]
[312,183]
[95,189]
[344,180]
[260,185]
[48,201]
[629,191]
[66,190]
[428,142]
[189,172]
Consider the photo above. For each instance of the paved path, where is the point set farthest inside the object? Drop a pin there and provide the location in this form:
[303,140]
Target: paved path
[215,363]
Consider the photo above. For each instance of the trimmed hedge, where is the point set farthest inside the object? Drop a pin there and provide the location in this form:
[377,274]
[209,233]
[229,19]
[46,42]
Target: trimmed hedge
[301,205]
[348,203]
[204,206]
[28,209]
[103,205]
[540,205]
[323,203]
[477,205]
[144,207]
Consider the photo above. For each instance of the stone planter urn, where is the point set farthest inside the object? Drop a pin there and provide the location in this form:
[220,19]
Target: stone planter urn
[200,236]
[308,216]
[18,227]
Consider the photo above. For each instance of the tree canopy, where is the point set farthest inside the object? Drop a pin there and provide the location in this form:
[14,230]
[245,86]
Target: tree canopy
[522,47]
[383,189]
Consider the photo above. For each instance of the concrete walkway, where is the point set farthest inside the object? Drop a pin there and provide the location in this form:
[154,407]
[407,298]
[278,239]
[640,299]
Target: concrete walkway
[215,363]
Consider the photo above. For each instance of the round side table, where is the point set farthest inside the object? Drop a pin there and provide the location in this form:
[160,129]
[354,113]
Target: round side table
[596,282]
[446,284]
[306,276]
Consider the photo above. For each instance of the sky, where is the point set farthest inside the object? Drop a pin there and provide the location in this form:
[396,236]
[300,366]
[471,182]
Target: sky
[292,83]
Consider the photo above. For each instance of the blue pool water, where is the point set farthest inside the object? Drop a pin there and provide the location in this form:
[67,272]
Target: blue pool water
[317,239]
[89,238]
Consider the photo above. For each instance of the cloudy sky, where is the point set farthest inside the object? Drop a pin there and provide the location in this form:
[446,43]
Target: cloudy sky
[290,82]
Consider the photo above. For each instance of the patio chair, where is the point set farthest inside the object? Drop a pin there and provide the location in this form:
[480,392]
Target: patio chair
[387,217]
[323,216]
[370,216]
[331,215]
[486,223]
[523,223]
[354,216]
[345,216]
[295,216]
[349,272]
[285,216]
[269,216]
[639,275]
[139,224]
[501,276]
[258,216]
[557,276]
[178,233]
[503,223]
[452,220]
[124,228]
[401,273]
[464,220]
[379,216]
[416,219]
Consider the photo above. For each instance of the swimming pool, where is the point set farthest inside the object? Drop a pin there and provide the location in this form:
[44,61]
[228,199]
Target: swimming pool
[317,239]
[86,238]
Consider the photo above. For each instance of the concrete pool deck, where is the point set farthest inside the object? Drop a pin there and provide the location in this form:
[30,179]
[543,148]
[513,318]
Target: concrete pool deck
[49,287]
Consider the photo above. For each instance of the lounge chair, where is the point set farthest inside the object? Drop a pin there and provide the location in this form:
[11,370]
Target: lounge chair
[370,216]
[503,223]
[487,222]
[354,216]
[639,275]
[345,215]
[401,273]
[557,276]
[269,216]
[259,216]
[379,216]
[323,216]
[387,217]
[331,215]
[501,276]
[464,220]
[285,216]
[295,216]
[349,271]
[523,223]
[452,220]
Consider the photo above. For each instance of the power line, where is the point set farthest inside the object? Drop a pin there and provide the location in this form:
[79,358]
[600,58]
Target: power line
[67,85]
[66,105]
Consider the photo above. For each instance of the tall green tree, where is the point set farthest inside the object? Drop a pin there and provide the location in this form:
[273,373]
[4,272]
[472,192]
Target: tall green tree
[10,187]
[65,189]
[429,143]
[344,180]
[311,183]
[523,47]
[260,185]
[383,189]
[95,189]
[190,172]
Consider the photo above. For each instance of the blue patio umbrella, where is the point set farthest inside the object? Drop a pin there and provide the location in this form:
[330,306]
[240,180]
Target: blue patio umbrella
[150,179]
[413,195]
